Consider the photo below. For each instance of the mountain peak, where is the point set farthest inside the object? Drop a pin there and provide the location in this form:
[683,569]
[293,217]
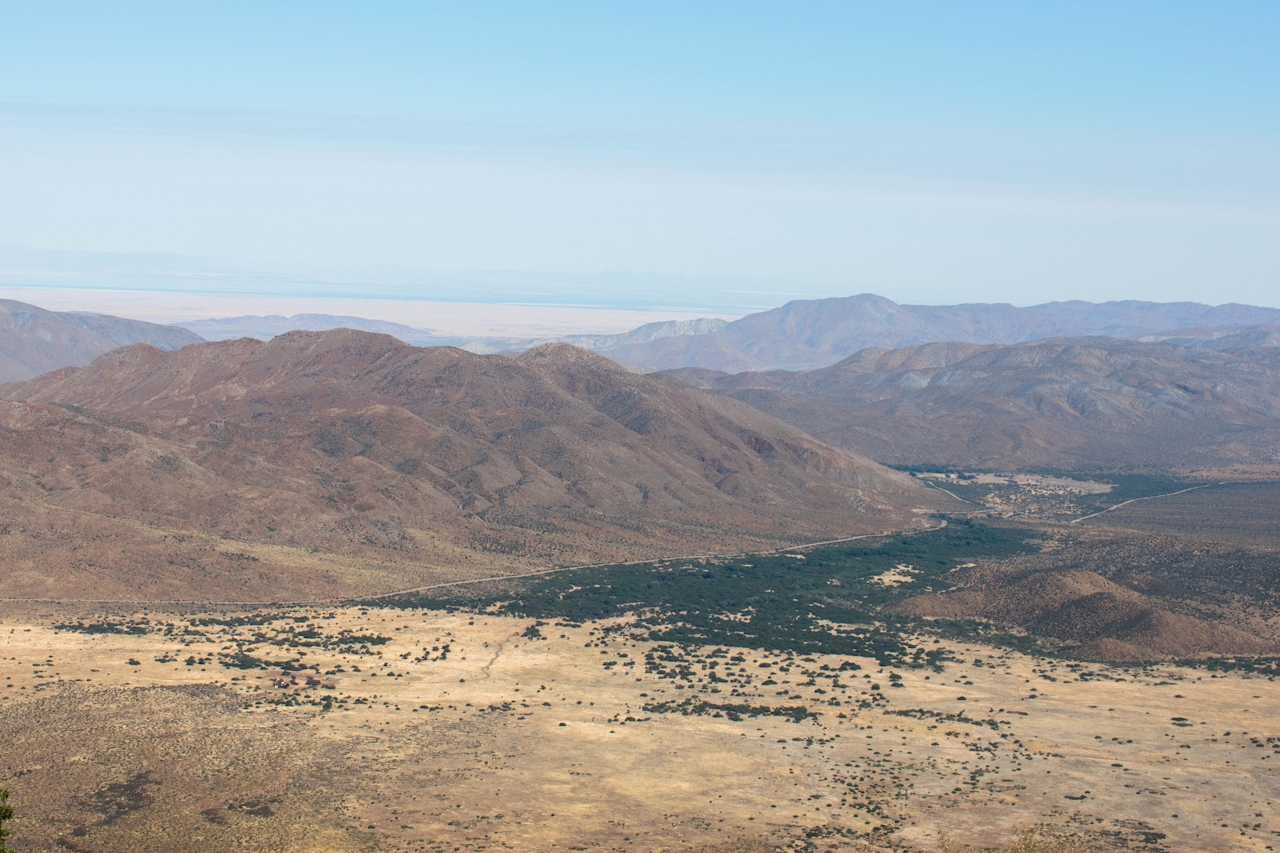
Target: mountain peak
[558,356]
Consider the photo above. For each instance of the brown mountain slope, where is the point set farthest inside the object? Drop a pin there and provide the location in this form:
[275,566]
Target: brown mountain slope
[1066,403]
[271,460]
[35,341]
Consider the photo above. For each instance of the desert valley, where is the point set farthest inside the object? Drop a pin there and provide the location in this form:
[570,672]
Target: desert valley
[332,591]
[822,427]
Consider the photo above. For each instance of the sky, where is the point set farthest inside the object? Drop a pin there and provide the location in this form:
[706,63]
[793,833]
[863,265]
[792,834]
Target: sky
[687,156]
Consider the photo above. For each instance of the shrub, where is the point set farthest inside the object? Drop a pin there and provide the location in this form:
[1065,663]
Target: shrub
[6,813]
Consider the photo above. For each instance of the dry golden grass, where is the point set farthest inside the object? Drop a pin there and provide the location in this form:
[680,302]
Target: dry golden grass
[489,748]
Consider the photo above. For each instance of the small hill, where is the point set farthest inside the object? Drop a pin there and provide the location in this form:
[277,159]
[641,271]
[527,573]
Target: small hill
[346,462]
[35,341]
[1064,403]
[1104,621]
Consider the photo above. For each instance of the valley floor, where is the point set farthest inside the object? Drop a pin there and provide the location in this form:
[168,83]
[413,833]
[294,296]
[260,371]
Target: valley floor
[440,731]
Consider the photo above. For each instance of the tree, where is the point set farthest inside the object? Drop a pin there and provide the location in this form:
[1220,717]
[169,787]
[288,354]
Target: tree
[6,813]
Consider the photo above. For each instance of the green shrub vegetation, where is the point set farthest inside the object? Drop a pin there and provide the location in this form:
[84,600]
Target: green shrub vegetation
[824,600]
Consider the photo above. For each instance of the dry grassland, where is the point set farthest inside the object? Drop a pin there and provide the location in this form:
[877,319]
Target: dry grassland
[463,733]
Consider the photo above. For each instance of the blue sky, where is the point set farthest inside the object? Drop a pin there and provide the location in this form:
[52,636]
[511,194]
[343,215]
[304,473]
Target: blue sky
[927,151]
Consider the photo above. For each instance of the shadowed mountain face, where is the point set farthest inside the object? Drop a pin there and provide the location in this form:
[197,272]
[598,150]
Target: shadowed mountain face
[1062,403]
[807,334]
[259,461]
[35,341]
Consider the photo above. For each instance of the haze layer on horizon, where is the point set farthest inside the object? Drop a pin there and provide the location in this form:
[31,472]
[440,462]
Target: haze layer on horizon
[719,159]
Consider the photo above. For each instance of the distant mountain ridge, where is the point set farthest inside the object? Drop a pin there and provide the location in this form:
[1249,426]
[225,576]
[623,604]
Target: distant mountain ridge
[809,334]
[1065,403]
[264,328]
[34,341]
[1130,317]
[800,335]
[1223,340]
[648,333]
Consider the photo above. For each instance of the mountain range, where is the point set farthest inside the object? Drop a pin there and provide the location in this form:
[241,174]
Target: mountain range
[801,335]
[345,462]
[1063,385]
[1062,403]
[808,334]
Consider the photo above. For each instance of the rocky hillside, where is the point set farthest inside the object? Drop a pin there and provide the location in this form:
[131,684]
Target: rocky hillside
[239,469]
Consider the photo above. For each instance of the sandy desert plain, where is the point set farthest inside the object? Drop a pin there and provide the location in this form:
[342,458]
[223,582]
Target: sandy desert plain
[467,731]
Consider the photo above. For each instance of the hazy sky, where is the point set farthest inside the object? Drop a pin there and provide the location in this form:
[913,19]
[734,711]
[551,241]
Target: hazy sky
[926,151]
